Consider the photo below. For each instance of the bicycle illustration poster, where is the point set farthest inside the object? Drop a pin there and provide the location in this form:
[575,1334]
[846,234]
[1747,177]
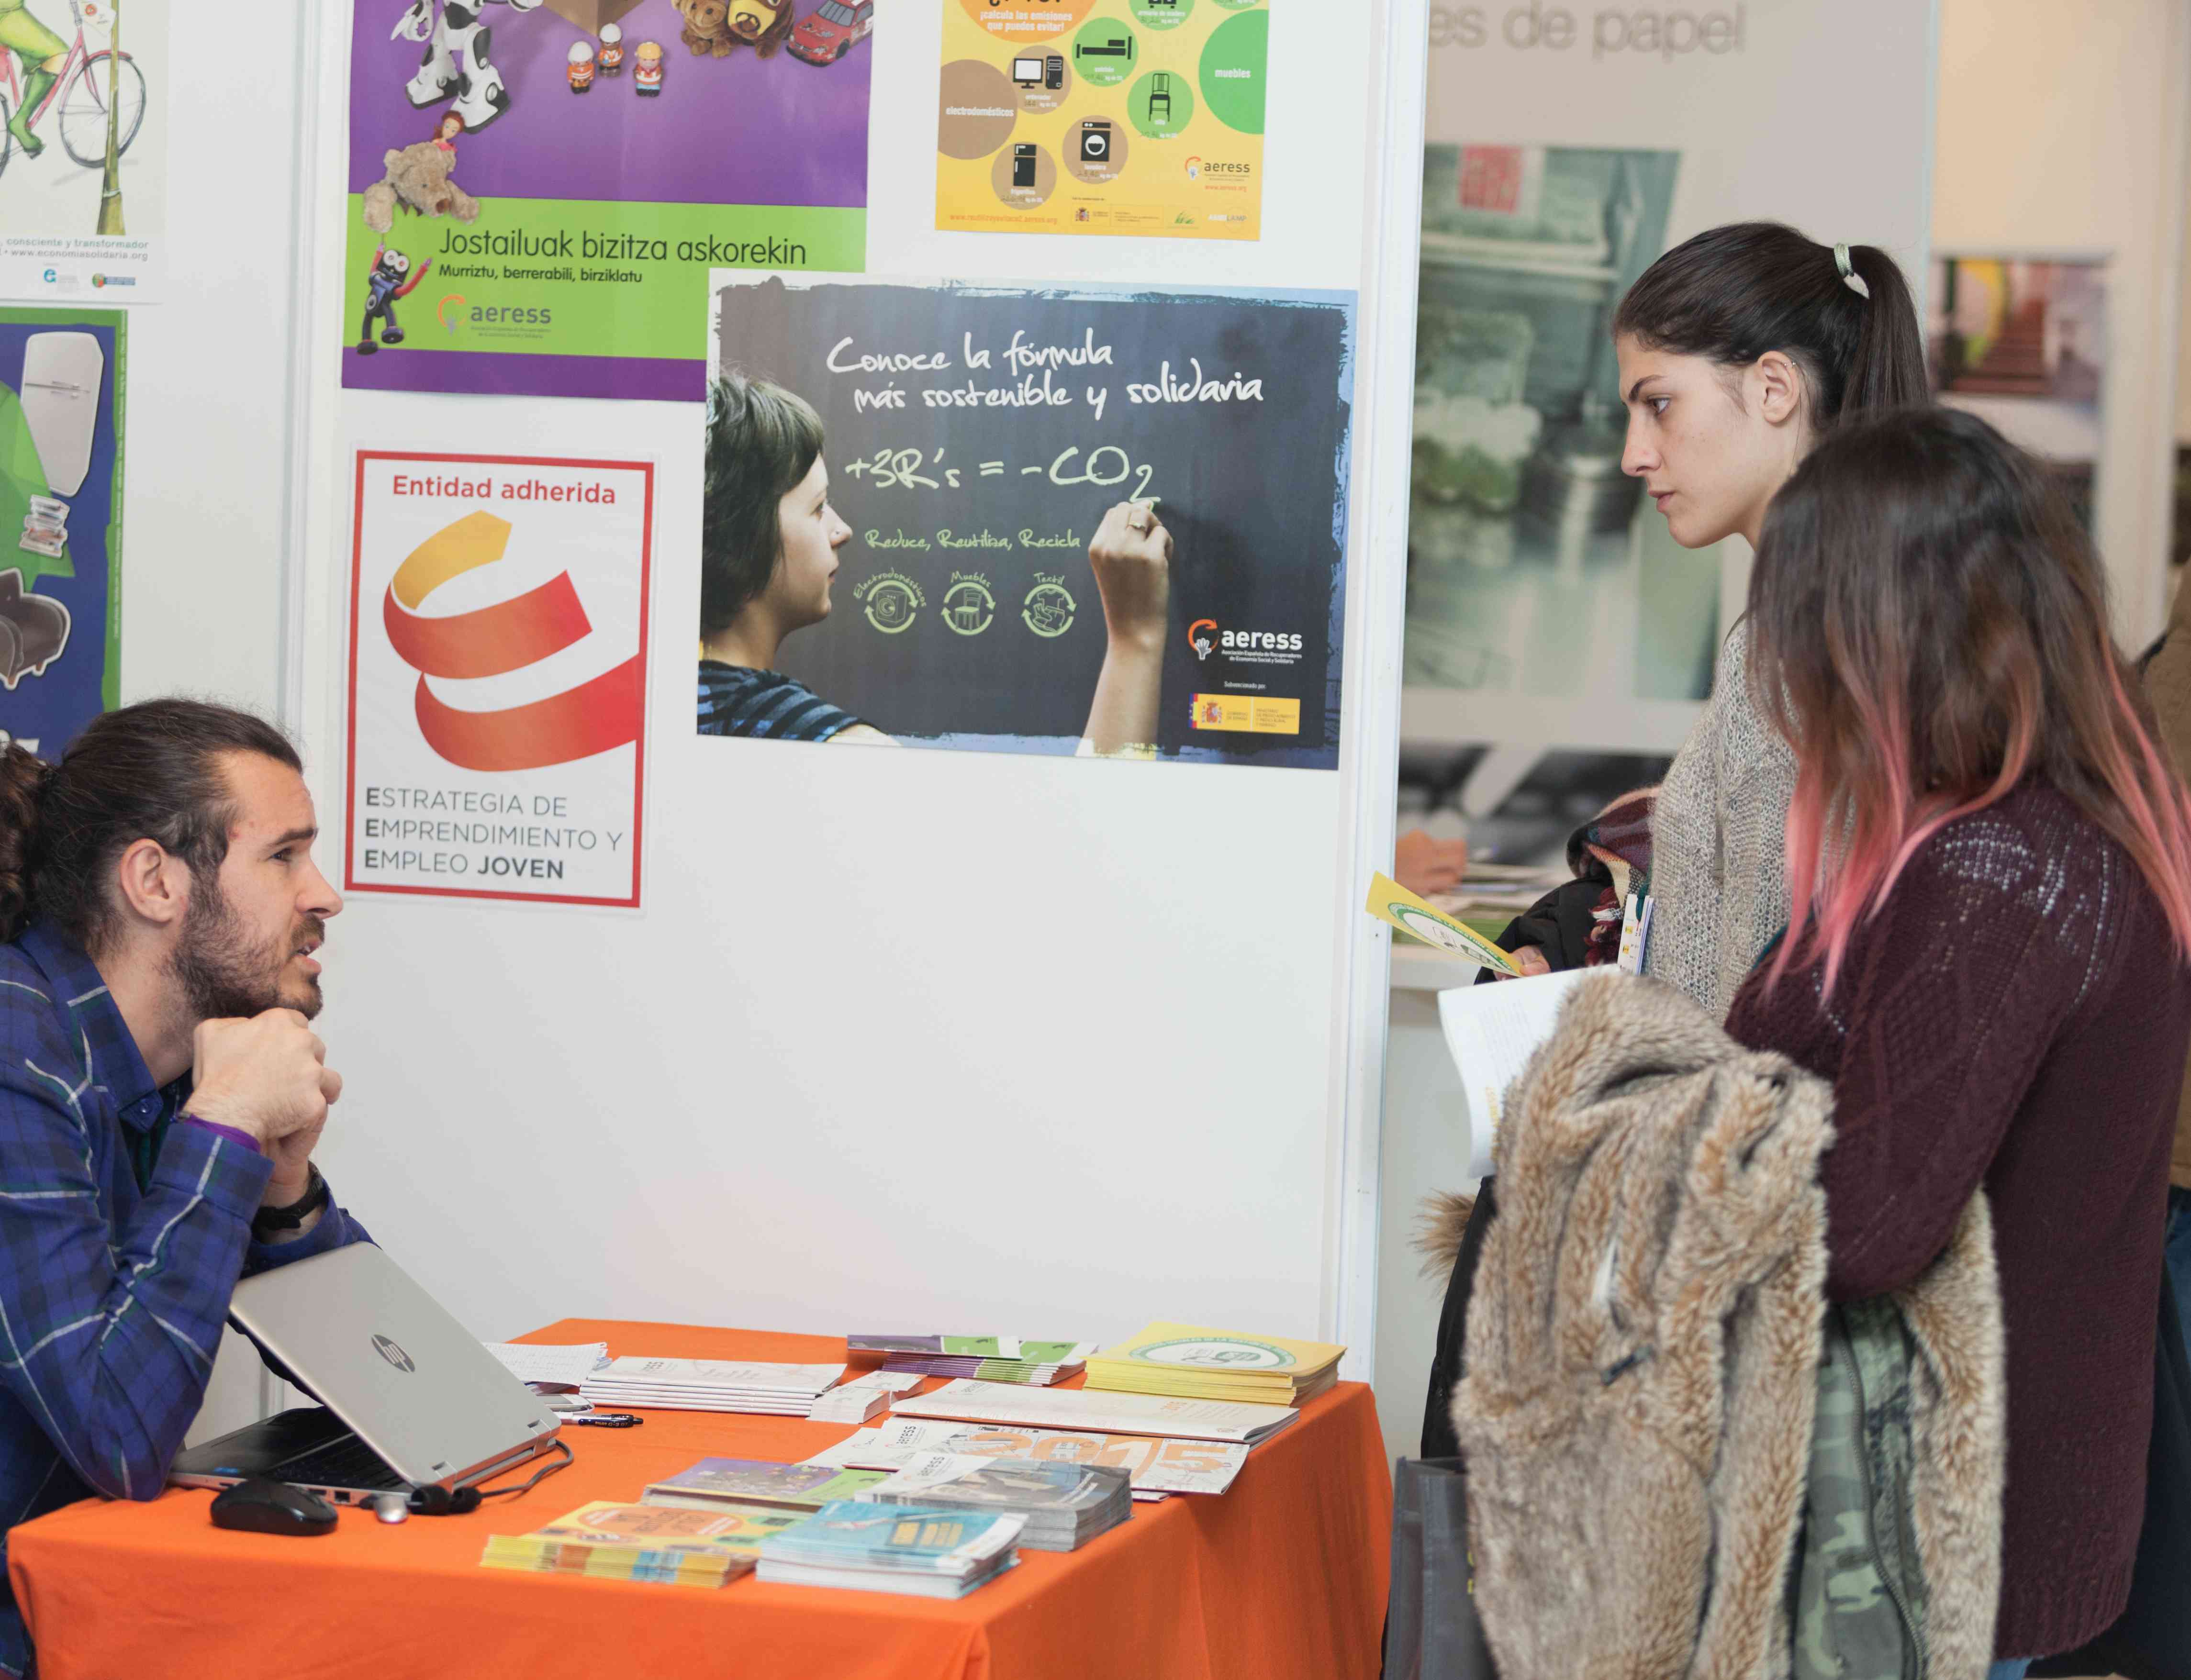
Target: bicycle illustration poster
[83,154]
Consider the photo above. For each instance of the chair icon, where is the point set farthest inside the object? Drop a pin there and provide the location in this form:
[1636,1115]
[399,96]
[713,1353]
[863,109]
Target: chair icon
[1160,96]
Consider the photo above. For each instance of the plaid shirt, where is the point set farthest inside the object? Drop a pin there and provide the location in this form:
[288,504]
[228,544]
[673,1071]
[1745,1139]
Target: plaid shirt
[121,1237]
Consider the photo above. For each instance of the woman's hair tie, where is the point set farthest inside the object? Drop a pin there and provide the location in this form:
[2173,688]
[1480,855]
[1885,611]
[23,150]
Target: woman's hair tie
[1850,277]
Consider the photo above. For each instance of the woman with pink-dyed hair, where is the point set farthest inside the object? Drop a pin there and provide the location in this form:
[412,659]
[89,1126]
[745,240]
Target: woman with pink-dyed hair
[1987,950]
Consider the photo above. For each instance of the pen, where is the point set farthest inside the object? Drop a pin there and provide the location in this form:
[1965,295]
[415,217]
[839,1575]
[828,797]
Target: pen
[606,1420]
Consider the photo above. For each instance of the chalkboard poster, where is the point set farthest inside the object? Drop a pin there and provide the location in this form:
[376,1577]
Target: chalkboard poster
[975,439]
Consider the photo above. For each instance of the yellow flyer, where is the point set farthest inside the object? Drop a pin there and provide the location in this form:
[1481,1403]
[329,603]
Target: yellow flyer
[1102,116]
[1389,902]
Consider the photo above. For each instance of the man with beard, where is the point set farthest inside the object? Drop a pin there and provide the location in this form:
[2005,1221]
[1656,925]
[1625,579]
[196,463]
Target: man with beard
[160,1088]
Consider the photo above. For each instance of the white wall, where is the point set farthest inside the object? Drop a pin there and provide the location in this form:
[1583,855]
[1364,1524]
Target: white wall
[899,1039]
[2062,128]
[2183,344]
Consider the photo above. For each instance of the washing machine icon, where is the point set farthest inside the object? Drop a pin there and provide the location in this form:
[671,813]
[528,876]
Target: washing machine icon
[1095,141]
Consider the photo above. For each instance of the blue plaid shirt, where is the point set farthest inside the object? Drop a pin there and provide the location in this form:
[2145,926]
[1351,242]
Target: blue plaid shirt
[123,1237]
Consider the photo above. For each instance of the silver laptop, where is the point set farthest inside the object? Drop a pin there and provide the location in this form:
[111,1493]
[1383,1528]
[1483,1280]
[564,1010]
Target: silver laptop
[410,1399]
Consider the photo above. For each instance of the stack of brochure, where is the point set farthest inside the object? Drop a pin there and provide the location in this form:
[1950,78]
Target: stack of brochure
[644,1543]
[1158,1468]
[992,1359]
[1217,1365]
[861,1398]
[1084,1409]
[714,1484]
[1065,1505]
[926,1552]
[709,1385]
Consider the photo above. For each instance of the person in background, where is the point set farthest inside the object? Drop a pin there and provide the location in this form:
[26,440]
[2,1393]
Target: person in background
[768,555]
[2168,686]
[1424,865]
[1738,350]
[1994,967]
[161,1091]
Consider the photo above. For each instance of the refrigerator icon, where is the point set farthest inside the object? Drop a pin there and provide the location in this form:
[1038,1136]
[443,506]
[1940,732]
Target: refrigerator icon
[1023,166]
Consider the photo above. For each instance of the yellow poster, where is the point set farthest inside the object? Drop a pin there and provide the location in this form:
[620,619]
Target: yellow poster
[1102,116]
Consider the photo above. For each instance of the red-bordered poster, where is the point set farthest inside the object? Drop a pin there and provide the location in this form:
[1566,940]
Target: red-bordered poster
[497,692]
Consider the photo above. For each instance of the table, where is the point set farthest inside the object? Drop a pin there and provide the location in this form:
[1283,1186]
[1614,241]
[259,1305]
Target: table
[1284,1576]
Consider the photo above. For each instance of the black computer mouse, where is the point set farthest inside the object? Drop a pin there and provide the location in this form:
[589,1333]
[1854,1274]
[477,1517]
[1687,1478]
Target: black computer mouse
[265,1507]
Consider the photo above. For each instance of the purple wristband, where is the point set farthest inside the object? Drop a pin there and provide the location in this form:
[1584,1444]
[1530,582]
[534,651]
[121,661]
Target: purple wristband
[230,1132]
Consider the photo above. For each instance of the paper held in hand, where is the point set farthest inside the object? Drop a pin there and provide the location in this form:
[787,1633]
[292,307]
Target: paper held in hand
[1491,1032]
[1389,902]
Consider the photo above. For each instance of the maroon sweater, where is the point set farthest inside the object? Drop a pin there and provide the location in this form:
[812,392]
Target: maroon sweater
[2015,1018]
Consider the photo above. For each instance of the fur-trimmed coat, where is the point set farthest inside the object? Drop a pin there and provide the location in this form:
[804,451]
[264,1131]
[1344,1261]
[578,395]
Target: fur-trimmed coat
[1642,1362]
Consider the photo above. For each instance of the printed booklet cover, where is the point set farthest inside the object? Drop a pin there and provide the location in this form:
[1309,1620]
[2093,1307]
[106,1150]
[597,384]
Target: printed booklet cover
[715,1481]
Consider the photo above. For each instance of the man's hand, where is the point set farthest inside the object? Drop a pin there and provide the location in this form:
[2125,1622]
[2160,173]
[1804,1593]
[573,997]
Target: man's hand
[291,1154]
[266,1076]
[1131,555]
[1530,960]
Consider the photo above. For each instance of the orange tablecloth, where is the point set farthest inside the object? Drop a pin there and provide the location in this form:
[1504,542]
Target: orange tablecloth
[1283,1576]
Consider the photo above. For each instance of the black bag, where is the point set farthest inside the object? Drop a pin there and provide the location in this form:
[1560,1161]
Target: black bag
[2151,1640]
[1439,1441]
[1431,1629]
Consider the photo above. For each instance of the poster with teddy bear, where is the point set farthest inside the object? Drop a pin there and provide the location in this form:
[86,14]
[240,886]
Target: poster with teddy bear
[538,189]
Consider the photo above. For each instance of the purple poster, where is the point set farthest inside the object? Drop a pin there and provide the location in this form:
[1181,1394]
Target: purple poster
[538,189]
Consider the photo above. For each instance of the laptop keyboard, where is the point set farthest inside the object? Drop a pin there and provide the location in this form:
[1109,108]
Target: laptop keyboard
[347,1463]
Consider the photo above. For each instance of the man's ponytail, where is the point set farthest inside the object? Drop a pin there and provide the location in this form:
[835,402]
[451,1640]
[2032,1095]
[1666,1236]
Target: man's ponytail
[1887,370]
[22,775]
[1734,293]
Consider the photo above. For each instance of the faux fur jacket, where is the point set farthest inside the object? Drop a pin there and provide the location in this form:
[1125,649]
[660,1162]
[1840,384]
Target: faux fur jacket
[1643,1361]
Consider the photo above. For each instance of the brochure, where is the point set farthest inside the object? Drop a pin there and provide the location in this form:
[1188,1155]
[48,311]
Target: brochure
[1389,902]
[718,1481]
[1217,1365]
[1103,1412]
[1157,1467]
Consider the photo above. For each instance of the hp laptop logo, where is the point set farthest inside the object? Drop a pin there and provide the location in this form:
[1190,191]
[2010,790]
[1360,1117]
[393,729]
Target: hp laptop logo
[394,1356]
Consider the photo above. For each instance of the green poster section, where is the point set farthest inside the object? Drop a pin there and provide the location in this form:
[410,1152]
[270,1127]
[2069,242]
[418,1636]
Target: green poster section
[22,475]
[22,478]
[548,277]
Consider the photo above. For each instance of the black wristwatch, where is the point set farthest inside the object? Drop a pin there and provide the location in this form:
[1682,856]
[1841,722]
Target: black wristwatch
[271,1221]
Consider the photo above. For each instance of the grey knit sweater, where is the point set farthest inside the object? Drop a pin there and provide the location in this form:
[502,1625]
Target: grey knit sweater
[1718,854]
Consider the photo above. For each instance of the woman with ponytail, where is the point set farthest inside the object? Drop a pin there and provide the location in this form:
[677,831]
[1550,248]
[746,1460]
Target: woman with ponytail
[1988,951]
[1738,350]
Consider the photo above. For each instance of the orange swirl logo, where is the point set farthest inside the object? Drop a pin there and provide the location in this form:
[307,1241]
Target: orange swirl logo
[493,641]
